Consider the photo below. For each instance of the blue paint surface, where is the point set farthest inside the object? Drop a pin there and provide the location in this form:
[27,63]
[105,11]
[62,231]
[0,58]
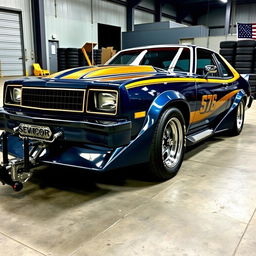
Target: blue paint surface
[100,142]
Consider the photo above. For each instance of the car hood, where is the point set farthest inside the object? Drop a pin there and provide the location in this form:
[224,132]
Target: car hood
[105,73]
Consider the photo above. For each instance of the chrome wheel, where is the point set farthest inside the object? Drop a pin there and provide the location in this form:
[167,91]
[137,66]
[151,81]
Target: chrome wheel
[240,116]
[172,142]
[168,145]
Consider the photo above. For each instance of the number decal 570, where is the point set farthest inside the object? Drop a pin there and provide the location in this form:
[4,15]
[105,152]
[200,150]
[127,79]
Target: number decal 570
[208,103]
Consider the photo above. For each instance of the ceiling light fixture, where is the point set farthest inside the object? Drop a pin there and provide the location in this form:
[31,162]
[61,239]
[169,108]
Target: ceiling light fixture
[224,1]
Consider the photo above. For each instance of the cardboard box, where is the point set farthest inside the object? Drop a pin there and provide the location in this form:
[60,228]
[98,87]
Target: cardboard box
[106,54]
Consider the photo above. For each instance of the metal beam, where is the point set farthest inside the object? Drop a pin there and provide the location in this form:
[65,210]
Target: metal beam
[129,18]
[181,13]
[228,17]
[130,13]
[39,32]
[131,4]
[158,10]
[196,2]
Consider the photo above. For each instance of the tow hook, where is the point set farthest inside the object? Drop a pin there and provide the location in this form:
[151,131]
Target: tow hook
[17,171]
[18,186]
[5,178]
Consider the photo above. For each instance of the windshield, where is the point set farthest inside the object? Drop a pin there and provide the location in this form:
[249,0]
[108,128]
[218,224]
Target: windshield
[125,57]
[156,57]
[160,58]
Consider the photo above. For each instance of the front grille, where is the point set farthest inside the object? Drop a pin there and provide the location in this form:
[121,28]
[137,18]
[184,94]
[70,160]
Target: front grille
[53,99]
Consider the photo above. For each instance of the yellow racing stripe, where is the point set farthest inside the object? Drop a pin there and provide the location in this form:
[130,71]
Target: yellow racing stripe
[114,70]
[80,73]
[179,80]
[118,78]
[108,70]
[185,80]
[58,73]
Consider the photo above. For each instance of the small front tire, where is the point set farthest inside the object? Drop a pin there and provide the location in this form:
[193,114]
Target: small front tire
[168,147]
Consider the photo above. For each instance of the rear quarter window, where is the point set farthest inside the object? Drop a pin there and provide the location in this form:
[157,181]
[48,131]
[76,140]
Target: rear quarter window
[223,67]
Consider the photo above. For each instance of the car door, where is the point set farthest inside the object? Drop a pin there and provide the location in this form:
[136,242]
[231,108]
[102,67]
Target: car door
[210,101]
[230,84]
[183,66]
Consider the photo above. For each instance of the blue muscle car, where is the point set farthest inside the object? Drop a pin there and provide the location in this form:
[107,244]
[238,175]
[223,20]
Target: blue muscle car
[144,106]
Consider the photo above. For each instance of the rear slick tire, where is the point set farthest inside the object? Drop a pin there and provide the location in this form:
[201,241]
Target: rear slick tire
[168,146]
[239,119]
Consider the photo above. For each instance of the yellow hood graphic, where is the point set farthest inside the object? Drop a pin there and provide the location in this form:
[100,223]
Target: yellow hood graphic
[105,73]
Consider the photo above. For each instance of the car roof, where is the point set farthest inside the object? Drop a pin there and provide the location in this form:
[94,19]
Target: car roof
[158,46]
[167,46]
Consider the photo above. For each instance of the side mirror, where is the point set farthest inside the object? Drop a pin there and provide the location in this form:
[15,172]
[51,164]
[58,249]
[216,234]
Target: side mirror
[210,69]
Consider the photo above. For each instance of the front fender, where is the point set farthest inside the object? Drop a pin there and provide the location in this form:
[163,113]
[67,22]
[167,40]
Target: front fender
[160,103]
[138,150]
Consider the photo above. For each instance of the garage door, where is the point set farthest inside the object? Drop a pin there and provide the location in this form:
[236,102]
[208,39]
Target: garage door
[11,63]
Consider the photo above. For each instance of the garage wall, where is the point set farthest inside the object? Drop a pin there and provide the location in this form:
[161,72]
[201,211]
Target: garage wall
[148,4]
[142,17]
[160,33]
[240,13]
[169,9]
[213,42]
[25,7]
[246,13]
[73,22]
[214,18]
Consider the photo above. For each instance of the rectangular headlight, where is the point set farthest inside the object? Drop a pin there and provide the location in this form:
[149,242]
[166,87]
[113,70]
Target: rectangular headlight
[16,95]
[102,101]
[13,95]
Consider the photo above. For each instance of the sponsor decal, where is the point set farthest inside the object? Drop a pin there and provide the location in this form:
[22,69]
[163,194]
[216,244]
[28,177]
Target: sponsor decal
[35,131]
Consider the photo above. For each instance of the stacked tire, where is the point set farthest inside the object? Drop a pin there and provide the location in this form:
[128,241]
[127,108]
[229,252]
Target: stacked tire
[245,56]
[228,51]
[62,60]
[72,55]
[96,56]
[252,82]
[82,60]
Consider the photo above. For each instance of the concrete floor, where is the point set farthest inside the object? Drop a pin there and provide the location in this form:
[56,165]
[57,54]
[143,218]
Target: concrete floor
[207,209]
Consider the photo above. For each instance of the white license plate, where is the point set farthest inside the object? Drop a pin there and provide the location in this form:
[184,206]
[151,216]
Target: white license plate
[35,131]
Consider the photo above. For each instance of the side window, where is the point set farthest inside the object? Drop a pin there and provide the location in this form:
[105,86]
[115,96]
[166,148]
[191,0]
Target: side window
[183,63]
[223,67]
[205,57]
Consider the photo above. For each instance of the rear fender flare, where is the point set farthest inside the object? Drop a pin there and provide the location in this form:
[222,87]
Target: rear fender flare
[227,120]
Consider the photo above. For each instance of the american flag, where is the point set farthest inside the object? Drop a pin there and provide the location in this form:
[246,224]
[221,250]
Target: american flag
[246,30]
